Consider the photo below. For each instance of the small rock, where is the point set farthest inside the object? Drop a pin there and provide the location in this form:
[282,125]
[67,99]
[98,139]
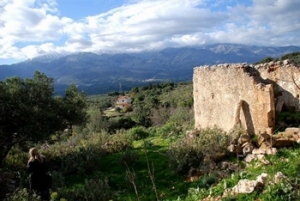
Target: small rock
[279,177]
[286,62]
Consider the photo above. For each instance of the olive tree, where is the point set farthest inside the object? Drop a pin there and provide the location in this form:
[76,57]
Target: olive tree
[30,111]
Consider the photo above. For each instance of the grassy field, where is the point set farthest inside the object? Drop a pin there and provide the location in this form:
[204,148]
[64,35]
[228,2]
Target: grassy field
[141,170]
[141,173]
[152,162]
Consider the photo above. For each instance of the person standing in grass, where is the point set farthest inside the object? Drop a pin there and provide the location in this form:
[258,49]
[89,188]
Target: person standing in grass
[36,166]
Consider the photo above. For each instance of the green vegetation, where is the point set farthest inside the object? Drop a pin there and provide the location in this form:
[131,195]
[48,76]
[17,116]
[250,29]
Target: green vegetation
[294,58]
[116,153]
[142,153]
[102,166]
[30,113]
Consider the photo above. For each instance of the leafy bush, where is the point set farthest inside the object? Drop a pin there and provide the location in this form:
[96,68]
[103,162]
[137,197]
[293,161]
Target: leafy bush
[58,179]
[129,157]
[160,115]
[17,158]
[80,161]
[183,155]
[138,133]
[118,142]
[22,194]
[290,118]
[207,180]
[294,57]
[92,189]
[118,123]
[183,116]
[265,60]
[186,153]
[170,129]
[97,121]
[214,141]
[196,194]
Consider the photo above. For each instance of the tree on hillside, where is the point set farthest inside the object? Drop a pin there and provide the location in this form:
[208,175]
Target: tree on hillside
[265,60]
[294,57]
[30,112]
[141,115]
[71,107]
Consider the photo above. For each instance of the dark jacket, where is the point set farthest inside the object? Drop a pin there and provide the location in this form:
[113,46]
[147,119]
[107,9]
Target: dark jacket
[38,176]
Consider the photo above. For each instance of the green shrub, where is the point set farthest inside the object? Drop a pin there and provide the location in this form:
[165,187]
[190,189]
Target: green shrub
[16,159]
[294,57]
[183,116]
[118,123]
[195,194]
[73,194]
[118,142]
[183,156]
[160,115]
[82,154]
[129,157]
[265,60]
[93,189]
[97,189]
[22,195]
[291,117]
[207,180]
[139,133]
[84,160]
[97,121]
[58,179]
[170,129]
[186,153]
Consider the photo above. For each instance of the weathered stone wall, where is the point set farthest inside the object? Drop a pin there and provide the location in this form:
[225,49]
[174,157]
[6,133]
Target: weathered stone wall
[286,80]
[238,94]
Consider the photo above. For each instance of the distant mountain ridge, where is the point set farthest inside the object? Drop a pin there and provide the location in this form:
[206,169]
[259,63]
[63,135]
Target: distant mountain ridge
[47,57]
[102,73]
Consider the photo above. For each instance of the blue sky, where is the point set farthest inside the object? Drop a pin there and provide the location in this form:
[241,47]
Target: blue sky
[79,9]
[31,28]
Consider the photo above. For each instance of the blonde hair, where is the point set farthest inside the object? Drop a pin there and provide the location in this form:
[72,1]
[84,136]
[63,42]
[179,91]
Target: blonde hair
[34,154]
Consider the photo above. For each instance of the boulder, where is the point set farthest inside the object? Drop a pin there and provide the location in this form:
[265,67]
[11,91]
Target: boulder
[264,150]
[247,148]
[286,62]
[243,139]
[257,157]
[248,186]
[192,133]
[284,139]
[294,130]
[264,137]
[235,149]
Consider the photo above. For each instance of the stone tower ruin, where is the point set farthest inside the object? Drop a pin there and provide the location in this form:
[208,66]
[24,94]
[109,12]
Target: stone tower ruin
[250,96]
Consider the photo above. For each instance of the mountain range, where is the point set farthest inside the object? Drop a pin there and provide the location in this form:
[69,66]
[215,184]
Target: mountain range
[101,73]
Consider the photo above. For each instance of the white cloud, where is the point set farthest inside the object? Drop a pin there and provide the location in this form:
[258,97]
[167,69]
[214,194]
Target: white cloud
[78,43]
[266,22]
[150,24]
[28,21]
[29,28]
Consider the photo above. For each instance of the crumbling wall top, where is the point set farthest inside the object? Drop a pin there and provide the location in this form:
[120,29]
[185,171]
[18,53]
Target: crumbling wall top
[220,88]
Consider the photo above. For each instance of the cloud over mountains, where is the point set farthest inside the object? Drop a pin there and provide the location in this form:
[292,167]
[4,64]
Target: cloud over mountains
[31,28]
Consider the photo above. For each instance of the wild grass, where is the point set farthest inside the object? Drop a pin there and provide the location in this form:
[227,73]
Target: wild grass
[142,169]
[97,163]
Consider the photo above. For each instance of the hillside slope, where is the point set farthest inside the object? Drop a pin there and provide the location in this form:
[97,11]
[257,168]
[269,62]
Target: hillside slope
[102,73]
